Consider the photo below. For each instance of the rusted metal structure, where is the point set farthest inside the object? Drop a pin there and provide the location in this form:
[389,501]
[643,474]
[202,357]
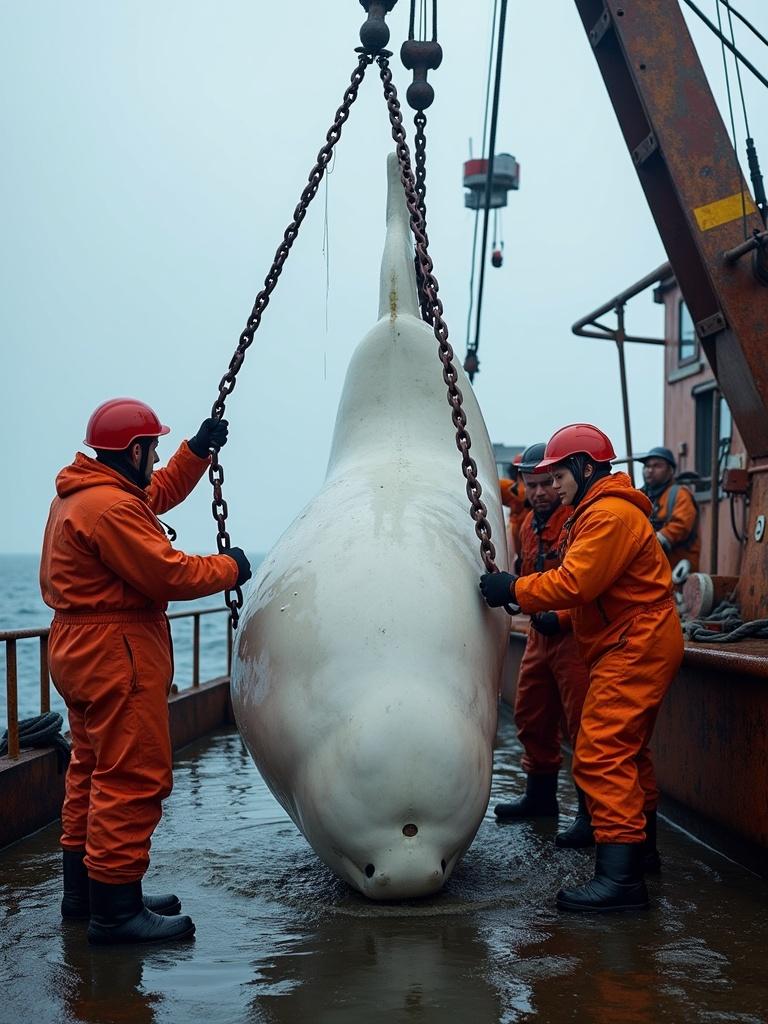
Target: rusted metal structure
[704,213]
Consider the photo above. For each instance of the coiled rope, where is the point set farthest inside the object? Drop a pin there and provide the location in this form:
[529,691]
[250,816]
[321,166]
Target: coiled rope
[42,731]
[731,626]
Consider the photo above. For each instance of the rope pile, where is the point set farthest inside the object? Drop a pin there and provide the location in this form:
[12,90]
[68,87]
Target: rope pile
[41,731]
[730,626]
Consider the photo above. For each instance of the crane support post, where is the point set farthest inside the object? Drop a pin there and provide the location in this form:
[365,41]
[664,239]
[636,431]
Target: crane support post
[697,194]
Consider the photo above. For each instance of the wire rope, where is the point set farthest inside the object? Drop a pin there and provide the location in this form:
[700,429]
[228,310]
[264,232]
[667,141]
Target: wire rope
[738,72]
[482,154]
[746,21]
[489,173]
[737,53]
[733,121]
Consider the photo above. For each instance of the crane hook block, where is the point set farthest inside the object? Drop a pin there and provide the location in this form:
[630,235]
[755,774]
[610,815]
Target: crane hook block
[420,56]
[374,33]
[497,258]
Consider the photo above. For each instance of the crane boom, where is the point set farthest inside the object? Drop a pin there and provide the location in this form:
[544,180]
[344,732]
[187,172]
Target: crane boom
[697,194]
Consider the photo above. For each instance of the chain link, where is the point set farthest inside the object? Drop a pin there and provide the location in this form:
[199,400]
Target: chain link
[434,317]
[234,598]
[420,176]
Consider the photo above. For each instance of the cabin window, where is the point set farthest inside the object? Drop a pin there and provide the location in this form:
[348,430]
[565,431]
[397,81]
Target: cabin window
[703,456]
[687,342]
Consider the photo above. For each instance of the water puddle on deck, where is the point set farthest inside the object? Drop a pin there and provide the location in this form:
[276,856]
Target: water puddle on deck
[280,940]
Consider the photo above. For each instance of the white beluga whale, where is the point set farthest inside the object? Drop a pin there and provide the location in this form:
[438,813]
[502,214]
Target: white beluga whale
[366,669]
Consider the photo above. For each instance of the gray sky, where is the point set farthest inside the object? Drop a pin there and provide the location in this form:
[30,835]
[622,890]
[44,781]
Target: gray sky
[153,154]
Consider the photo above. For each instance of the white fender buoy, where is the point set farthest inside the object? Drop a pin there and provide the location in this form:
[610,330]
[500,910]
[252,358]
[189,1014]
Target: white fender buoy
[367,666]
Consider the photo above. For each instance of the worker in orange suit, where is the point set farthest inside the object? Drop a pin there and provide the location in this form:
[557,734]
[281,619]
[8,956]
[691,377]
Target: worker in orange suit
[617,585]
[513,498]
[675,514]
[108,571]
[553,680]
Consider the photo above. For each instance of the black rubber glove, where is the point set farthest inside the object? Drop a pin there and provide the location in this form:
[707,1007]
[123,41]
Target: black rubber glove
[498,588]
[212,434]
[546,623]
[243,565]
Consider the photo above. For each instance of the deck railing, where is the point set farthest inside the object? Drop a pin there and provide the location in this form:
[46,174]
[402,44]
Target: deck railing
[10,638]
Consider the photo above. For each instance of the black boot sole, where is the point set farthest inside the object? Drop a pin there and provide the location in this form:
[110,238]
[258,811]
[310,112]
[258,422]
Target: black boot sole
[112,940]
[580,908]
[524,815]
[71,912]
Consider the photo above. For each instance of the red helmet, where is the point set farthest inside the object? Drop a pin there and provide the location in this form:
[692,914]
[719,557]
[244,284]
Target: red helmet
[576,438]
[119,422]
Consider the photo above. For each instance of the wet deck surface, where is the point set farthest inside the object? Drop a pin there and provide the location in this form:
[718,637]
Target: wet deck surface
[279,939]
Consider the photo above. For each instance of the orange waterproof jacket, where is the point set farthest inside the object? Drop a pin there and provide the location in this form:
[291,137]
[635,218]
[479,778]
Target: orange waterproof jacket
[540,546]
[678,526]
[541,549]
[513,498]
[613,567]
[105,551]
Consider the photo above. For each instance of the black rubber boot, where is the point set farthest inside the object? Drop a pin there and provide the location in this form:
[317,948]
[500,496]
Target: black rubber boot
[651,858]
[118,915]
[579,834]
[76,904]
[618,883]
[540,800]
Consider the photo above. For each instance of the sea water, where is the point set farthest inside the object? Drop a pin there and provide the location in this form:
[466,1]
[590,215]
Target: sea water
[22,607]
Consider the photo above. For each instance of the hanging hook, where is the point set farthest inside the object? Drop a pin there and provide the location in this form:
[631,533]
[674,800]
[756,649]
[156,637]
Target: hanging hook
[420,56]
[374,33]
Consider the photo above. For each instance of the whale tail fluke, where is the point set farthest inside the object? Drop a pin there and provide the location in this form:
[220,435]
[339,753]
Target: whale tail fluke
[398,295]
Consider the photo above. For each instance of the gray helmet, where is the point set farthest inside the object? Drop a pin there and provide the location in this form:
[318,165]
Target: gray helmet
[532,456]
[658,453]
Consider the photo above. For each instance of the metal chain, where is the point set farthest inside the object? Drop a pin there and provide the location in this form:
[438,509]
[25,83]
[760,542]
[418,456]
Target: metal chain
[478,510]
[420,177]
[234,598]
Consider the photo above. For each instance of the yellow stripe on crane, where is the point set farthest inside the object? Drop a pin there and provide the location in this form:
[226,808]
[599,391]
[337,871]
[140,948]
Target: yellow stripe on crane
[712,215]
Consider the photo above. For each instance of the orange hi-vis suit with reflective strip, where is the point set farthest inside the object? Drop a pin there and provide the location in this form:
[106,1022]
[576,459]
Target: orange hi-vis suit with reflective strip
[617,584]
[513,498]
[108,571]
[677,526]
[553,678]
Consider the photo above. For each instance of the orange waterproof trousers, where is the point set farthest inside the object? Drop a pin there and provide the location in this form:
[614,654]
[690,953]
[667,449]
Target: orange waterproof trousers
[627,683]
[551,688]
[114,672]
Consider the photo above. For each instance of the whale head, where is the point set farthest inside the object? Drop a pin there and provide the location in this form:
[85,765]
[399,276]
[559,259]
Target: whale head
[413,795]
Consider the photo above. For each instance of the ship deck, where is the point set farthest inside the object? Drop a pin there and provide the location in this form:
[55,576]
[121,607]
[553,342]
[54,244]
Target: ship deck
[280,939]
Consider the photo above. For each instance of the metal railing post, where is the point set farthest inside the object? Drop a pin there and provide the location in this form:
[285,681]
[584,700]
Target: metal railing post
[196,650]
[714,533]
[620,339]
[11,677]
[45,681]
